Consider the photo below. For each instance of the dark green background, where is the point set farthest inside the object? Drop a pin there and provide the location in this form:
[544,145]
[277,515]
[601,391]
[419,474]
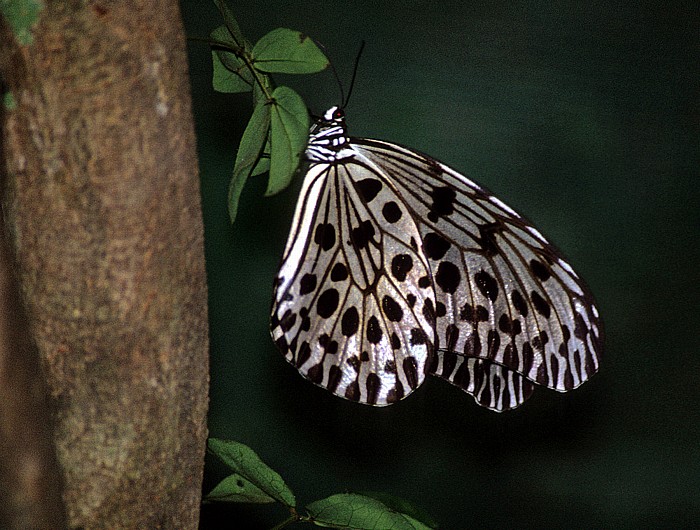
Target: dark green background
[581,115]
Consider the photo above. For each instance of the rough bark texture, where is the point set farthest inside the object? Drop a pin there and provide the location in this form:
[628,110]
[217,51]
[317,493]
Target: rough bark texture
[103,207]
[30,480]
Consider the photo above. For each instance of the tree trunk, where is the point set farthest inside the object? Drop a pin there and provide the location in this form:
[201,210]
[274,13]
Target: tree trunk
[102,209]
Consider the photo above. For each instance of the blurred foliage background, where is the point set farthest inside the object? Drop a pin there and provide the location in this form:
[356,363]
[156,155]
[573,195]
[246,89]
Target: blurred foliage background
[584,117]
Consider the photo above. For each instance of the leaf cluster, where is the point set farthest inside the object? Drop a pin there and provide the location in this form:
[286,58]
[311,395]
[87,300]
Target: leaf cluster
[275,137]
[252,481]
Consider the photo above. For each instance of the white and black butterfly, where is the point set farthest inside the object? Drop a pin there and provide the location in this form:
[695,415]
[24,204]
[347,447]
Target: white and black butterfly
[397,266]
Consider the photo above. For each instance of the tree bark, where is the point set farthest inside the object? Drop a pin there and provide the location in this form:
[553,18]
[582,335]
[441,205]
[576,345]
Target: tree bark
[102,206]
[30,479]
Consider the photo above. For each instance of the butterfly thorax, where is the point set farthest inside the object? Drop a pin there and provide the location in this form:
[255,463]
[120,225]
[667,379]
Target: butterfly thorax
[328,140]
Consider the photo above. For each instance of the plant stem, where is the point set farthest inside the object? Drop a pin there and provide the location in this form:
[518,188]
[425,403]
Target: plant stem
[291,519]
[241,54]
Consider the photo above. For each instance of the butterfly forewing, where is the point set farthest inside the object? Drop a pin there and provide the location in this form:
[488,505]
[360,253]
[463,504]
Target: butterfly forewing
[352,301]
[397,266]
[503,293]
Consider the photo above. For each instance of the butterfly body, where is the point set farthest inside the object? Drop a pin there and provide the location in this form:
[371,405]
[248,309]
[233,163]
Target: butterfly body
[397,266]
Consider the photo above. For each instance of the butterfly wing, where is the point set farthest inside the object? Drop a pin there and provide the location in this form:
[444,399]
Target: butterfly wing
[508,309]
[353,291]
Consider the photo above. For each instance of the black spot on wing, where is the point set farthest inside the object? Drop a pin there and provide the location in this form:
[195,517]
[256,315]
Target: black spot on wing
[362,235]
[325,236]
[565,332]
[540,270]
[307,283]
[540,340]
[428,310]
[519,303]
[417,336]
[401,265]
[396,393]
[541,305]
[368,188]
[487,285]
[391,212]
[327,303]
[355,362]
[528,357]
[449,361]
[305,319]
[350,322]
[411,300]
[442,202]
[373,386]
[510,356]
[487,237]
[352,392]
[505,324]
[339,272]
[392,309]
[410,368]
[374,330]
[462,377]
[424,282]
[332,347]
[447,277]
[451,337]
[469,314]
[472,346]
[315,373]
[435,246]
[287,321]
[303,354]
[282,345]
[334,376]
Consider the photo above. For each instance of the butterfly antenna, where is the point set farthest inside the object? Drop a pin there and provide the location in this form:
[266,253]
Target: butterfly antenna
[354,73]
[335,72]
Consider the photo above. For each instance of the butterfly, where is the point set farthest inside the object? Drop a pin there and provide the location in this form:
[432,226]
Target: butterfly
[397,266]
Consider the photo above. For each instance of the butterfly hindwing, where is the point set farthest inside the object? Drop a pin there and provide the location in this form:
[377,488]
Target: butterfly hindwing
[352,298]
[503,293]
[493,385]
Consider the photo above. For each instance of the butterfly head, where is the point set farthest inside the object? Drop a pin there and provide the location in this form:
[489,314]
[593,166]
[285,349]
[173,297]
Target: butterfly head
[328,140]
[334,116]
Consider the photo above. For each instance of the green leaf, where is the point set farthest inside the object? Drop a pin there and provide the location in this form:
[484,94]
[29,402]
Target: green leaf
[22,16]
[399,504]
[236,488]
[263,166]
[9,101]
[286,51]
[289,132]
[231,24]
[349,510]
[251,147]
[227,81]
[244,462]
[231,74]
